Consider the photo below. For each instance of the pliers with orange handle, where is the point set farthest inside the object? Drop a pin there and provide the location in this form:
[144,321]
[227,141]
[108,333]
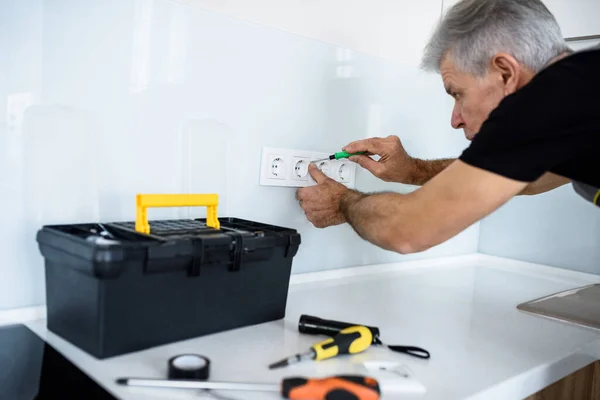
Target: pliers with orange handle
[343,387]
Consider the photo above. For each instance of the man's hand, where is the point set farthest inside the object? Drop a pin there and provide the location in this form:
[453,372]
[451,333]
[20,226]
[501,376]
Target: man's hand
[321,203]
[395,165]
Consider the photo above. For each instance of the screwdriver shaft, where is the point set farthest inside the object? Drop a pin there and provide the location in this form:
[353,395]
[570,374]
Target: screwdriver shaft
[310,355]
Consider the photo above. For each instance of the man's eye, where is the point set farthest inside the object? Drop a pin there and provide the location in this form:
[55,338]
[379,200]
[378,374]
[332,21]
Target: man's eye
[456,95]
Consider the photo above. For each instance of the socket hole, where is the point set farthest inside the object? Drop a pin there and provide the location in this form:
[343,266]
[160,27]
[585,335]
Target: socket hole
[301,169]
[277,167]
[344,172]
[324,167]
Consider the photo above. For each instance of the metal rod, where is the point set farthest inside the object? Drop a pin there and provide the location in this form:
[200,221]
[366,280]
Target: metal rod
[180,384]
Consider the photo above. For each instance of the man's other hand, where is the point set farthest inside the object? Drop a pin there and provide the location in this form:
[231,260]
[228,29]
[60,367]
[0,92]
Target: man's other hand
[321,203]
[395,165]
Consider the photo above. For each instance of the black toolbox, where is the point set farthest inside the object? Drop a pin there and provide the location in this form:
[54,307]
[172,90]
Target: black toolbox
[111,290]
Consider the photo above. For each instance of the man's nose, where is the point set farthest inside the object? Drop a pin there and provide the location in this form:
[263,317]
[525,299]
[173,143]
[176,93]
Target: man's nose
[457,122]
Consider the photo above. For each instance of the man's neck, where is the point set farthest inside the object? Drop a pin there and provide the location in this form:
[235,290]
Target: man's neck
[558,58]
[527,74]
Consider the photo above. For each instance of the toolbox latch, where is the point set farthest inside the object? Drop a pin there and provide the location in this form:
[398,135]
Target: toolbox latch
[197,258]
[293,244]
[238,250]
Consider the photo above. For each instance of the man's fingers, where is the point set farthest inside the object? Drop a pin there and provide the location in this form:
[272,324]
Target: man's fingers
[300,194]
[316,218]
[357,146]
[370,146]
[317,174]
[368,163]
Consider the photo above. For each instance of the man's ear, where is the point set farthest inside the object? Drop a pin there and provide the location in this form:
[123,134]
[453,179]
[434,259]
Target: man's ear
[509,69]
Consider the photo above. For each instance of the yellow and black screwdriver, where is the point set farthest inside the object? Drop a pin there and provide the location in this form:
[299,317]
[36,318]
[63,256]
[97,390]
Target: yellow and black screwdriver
[352,340]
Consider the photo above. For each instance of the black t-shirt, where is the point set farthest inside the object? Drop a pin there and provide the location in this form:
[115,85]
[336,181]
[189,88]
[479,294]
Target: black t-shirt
[552,124]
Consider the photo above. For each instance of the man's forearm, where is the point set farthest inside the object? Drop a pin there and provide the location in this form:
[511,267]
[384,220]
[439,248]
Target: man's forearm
[424,170]
[372,216]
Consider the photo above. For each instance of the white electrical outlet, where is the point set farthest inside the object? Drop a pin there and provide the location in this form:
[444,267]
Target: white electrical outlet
[277,167]
[289,168]
[325,167]
[300,168]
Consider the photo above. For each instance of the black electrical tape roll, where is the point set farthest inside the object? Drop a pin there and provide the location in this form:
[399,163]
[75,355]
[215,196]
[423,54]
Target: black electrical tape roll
[189,366]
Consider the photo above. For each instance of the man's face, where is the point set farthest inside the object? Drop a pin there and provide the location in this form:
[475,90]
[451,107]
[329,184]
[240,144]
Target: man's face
[475,98]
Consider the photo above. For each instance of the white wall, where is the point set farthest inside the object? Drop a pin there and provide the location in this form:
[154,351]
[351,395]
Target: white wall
[396,30]
[108,98]
[557,228]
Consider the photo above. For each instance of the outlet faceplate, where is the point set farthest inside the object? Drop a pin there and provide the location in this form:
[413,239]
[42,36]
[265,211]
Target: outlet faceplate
[289,168]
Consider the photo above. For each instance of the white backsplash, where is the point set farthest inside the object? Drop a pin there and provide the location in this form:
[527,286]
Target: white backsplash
[102,100]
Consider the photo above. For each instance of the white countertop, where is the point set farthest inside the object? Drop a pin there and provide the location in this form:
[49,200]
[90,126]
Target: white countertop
[461,309]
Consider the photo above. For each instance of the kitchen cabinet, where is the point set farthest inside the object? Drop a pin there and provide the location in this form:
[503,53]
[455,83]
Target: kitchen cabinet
[582,384]
[584,44]
[577,18]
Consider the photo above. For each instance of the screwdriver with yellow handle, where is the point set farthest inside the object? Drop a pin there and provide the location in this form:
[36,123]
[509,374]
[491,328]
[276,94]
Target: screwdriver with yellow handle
[352,340]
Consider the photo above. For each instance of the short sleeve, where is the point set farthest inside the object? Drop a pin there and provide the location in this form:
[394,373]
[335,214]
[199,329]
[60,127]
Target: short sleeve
[549,122]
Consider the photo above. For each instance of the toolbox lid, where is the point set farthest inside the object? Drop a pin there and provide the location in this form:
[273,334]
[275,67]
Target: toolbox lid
[102,250]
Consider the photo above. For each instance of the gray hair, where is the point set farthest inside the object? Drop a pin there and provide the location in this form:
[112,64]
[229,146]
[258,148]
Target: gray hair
[473,31]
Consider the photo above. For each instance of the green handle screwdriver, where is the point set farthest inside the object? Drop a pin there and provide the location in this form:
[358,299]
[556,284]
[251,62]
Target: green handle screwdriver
[341,154]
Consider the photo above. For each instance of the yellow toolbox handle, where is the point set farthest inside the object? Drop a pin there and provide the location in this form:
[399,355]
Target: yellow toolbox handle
[143,201]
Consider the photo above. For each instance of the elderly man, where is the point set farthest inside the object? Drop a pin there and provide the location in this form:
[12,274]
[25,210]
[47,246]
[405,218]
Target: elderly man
[530,107]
